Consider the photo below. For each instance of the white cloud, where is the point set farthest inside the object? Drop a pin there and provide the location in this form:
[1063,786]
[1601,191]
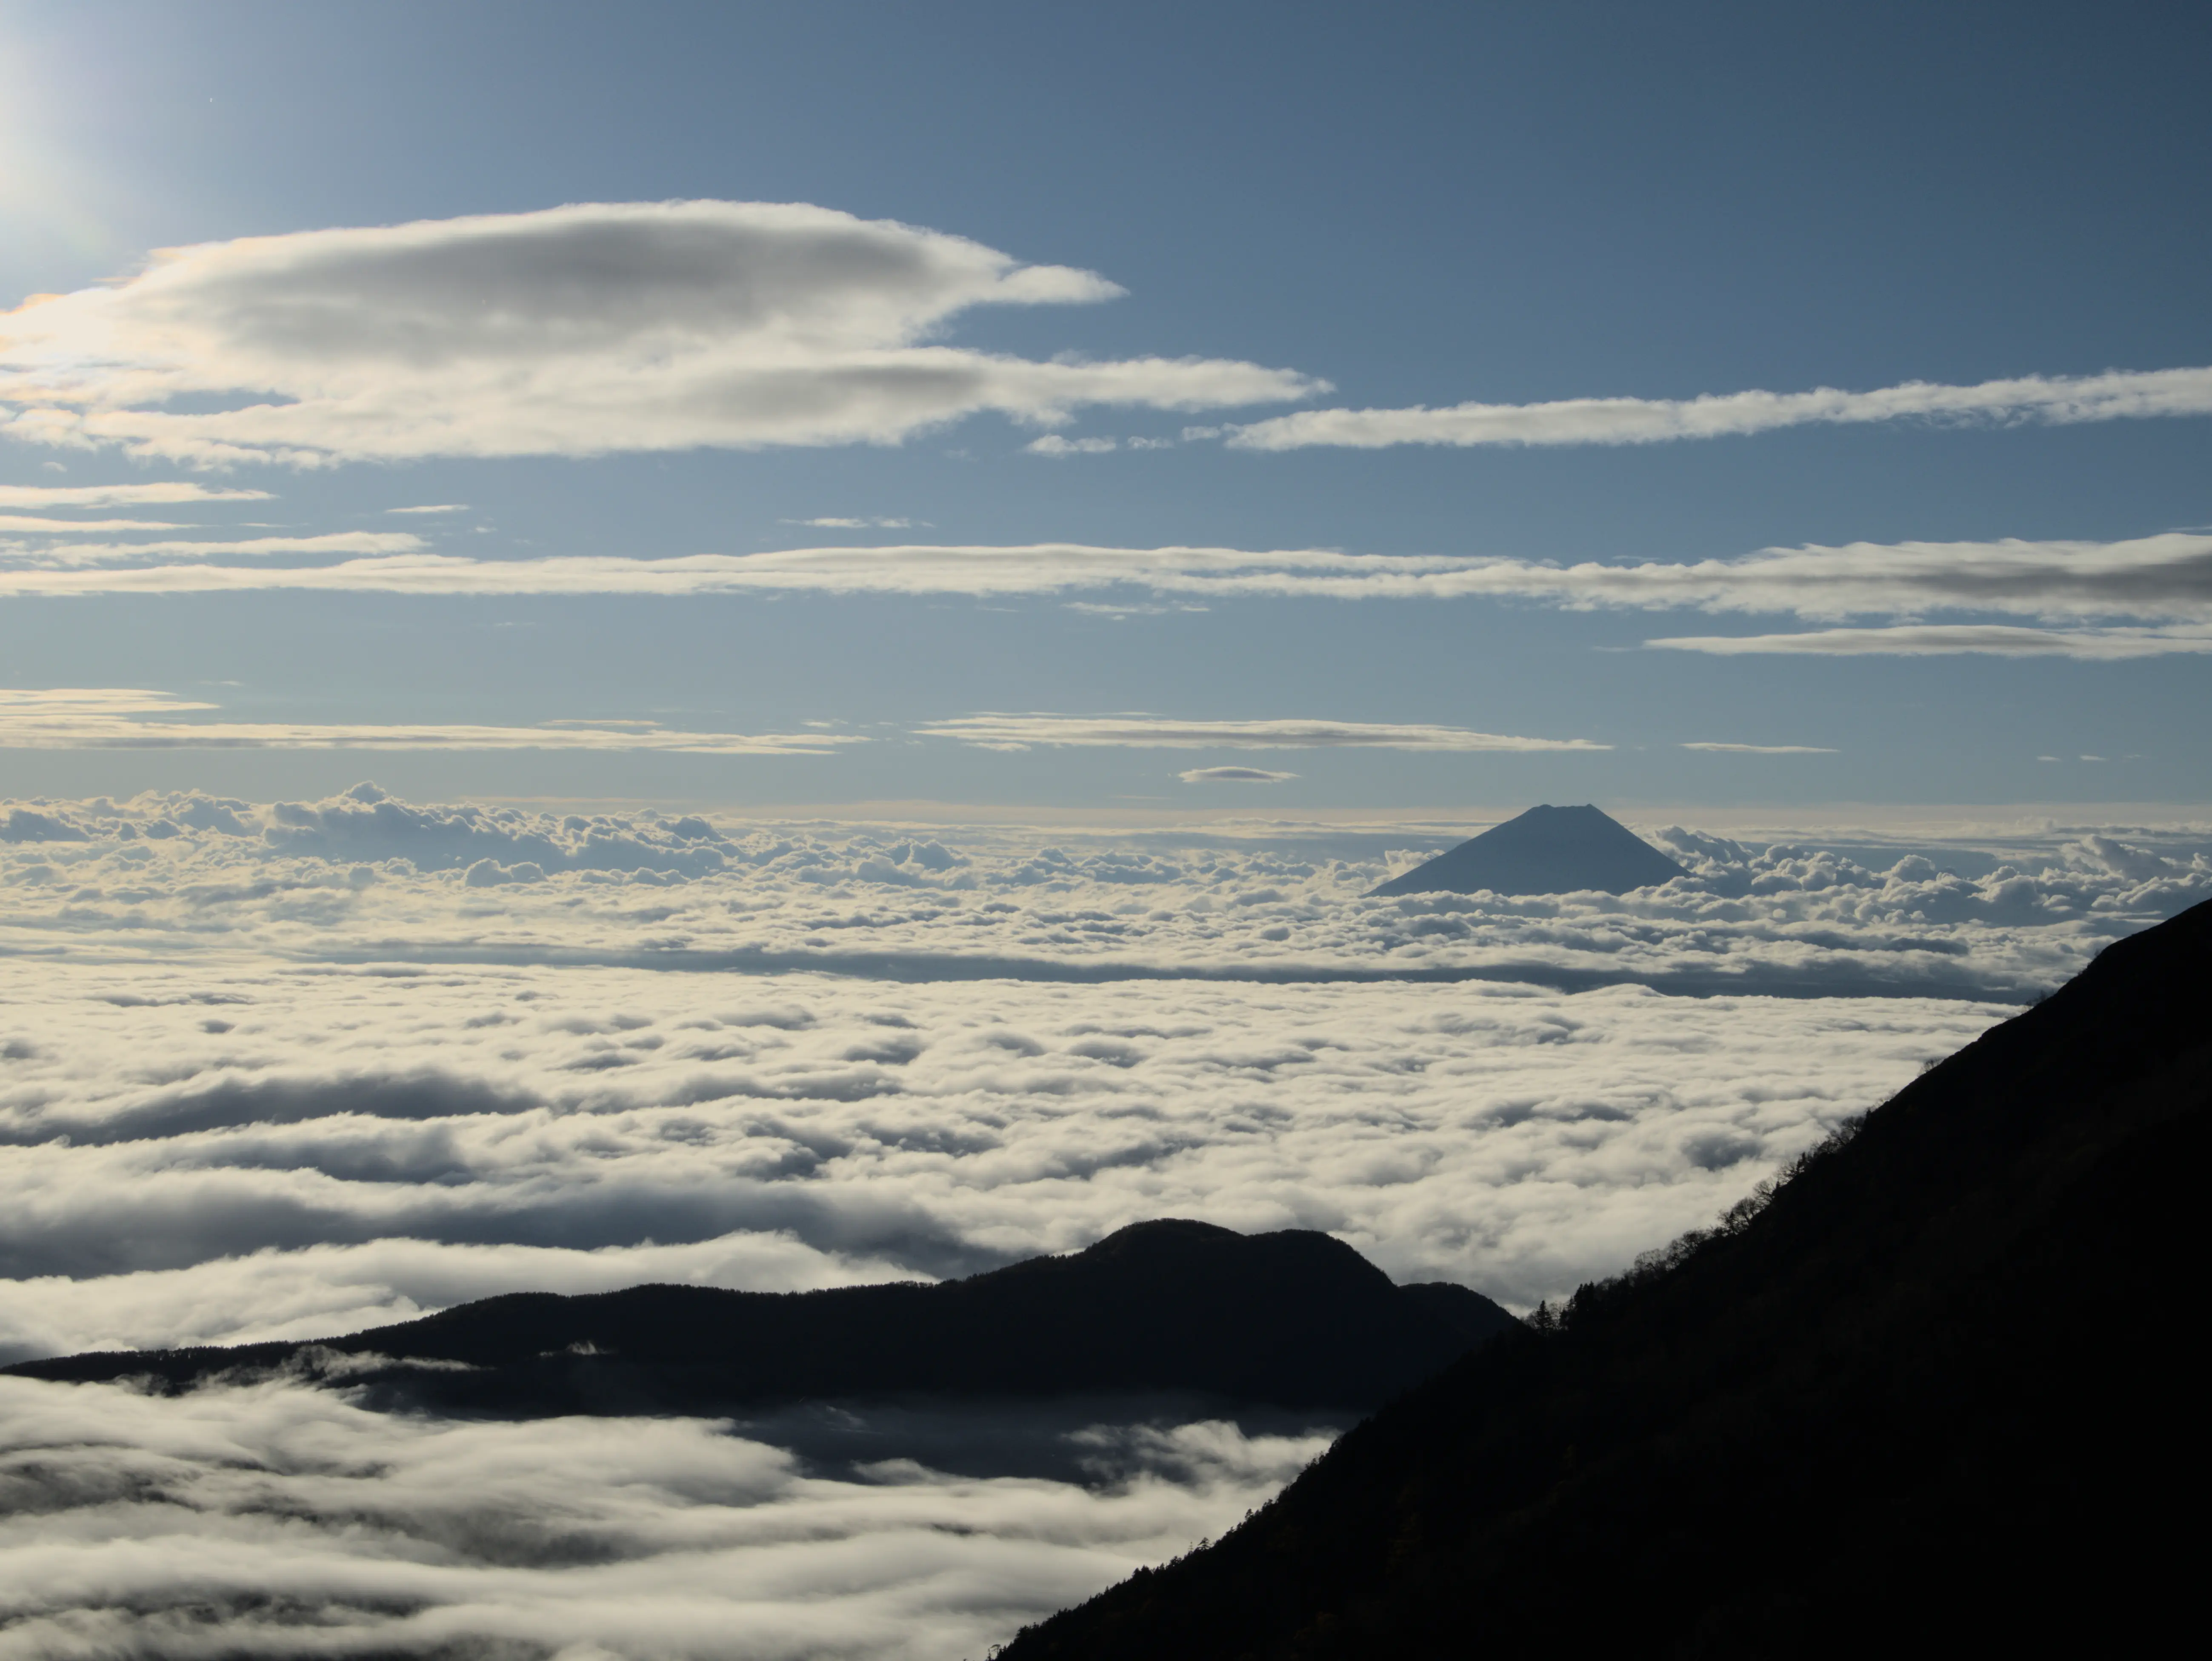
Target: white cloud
[87,703]
[2166,576]
[276,1519]
[320,1291]
[1765,749]
[1053,445]
[216,1145]
[919,569]
[2164,580]
[108,495]
[276,1070]
[67,553]
[431,507]
[113,718]
[1947,640]
[576,331]
[1153,732]
[1233,776]
[47,525]
[863,524]
[2044,400]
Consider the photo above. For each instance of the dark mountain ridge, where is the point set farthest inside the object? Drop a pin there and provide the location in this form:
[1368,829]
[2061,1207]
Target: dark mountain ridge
[1547,850]
[1942,1392]
[1292,1318]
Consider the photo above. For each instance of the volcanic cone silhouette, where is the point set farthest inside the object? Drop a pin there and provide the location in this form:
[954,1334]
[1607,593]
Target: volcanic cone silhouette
[1547,850]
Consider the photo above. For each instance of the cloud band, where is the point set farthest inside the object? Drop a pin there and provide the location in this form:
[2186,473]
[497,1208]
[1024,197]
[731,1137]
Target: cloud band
[2043,400]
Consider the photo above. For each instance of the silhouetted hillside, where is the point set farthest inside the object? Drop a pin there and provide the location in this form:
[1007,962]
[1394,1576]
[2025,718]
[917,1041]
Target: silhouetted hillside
[1941,1395]
[1294,1319]
[1547,850]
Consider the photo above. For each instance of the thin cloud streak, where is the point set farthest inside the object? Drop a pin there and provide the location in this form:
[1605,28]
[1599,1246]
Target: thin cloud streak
[100,717]
[1932,640]
[2163,577]
[2033,399]
[341,542]
[1150,732]
[109,496]
[1041,568]
[1763,749]
[46,525]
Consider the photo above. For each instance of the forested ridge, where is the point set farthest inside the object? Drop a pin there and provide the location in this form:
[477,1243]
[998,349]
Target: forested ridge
[1939,1387]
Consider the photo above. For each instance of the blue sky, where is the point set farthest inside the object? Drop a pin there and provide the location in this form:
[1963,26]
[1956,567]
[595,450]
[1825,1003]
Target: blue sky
[1393,209]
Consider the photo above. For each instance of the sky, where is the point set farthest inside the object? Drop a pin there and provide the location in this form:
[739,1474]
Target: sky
[1406,373]
[779,647]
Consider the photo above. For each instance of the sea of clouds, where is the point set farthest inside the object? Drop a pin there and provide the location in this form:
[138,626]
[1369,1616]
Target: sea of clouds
[270,1519]
[292,1070]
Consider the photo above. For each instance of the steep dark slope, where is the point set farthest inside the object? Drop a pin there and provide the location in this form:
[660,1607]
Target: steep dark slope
[1294,1319]
[1547,850]
[1942,1392]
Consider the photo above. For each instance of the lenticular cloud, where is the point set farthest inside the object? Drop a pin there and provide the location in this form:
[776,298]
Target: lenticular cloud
[576,331]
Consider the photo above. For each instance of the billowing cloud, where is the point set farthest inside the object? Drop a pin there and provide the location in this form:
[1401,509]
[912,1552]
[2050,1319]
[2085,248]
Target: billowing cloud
[277,1518]
[288,1069]
[2031,399]
[107,717]
[576,331]
[1233,776]
[1154,732]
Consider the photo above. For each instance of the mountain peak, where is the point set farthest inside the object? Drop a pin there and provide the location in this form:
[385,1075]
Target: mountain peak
[1292,1318]
[1547,850]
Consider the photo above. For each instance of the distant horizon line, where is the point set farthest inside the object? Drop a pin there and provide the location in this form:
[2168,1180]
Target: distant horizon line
[1834,818]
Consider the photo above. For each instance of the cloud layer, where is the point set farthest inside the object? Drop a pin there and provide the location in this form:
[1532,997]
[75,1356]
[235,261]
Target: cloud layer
[2040,399]
[1153,732]
[283,1069]
[576,331]
[1953,640]
[115,717]
[2140,596]
[110,495]
[276,1519]
[287,1070]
